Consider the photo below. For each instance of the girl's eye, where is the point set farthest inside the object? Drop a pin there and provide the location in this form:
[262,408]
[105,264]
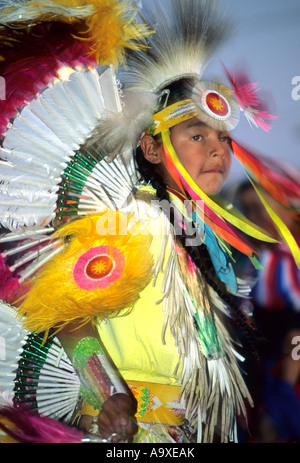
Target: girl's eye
[226,139]
[197,137]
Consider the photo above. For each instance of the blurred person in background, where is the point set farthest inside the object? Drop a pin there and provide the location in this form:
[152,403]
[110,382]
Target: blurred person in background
[276,309]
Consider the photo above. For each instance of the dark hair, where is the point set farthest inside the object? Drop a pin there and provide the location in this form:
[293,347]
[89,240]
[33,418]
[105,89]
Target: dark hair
[176,91]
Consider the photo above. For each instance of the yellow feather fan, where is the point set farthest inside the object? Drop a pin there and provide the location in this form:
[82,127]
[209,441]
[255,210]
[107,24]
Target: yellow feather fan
[101,271]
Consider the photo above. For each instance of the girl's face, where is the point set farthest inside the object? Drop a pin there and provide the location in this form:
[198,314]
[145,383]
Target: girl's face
[204,152]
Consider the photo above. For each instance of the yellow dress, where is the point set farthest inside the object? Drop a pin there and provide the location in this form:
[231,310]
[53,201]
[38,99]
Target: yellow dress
[159,354]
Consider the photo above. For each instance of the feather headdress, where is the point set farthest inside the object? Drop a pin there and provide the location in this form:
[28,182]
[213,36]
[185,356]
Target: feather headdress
[181,47]
[179,50]
[38,37]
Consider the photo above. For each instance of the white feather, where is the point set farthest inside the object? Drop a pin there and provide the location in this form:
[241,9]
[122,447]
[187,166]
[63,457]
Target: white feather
[15,11]
[23,247]
[42,140]
[12,337]
[34,254]
[58,388]
[110,92]
[38,263]
[22,160]
[25,234]
[28,123]
[90,91]
[34,145]
[51,115]
[182,44]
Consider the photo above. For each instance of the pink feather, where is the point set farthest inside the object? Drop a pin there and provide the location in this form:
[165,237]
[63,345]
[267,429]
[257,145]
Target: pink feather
[10,286]
[245,93]
[27,427]
[259,118]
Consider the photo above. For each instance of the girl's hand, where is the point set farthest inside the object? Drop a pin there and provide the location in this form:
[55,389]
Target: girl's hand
[116,420]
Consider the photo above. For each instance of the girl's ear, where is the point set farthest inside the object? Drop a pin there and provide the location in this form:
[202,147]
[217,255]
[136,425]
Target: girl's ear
[151,149]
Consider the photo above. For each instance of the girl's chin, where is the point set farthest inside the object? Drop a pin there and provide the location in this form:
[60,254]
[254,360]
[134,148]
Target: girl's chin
[212,190]
[211,186]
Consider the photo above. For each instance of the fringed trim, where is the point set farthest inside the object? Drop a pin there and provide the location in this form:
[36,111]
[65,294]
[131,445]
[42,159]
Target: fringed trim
[213,391]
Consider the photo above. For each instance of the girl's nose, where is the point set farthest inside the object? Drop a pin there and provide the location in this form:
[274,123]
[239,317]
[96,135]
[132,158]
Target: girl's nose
[217,148]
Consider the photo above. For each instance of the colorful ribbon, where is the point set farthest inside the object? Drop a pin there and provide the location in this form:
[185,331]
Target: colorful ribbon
[220,219]
[280,225]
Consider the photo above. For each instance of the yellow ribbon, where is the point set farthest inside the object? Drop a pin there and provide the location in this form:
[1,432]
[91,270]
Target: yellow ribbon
[282,228]
[233,216]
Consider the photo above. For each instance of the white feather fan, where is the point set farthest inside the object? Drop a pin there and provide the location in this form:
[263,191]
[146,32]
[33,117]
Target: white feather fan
[48,174]
[35,374]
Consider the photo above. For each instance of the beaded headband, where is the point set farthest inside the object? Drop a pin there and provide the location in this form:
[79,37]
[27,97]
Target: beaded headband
[215,104]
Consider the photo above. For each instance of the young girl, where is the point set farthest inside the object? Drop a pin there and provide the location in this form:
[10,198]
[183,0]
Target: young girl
[141,289]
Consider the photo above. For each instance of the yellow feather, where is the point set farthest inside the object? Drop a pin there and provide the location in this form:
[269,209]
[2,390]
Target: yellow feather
[112,29]
[109,25]
[56,299]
